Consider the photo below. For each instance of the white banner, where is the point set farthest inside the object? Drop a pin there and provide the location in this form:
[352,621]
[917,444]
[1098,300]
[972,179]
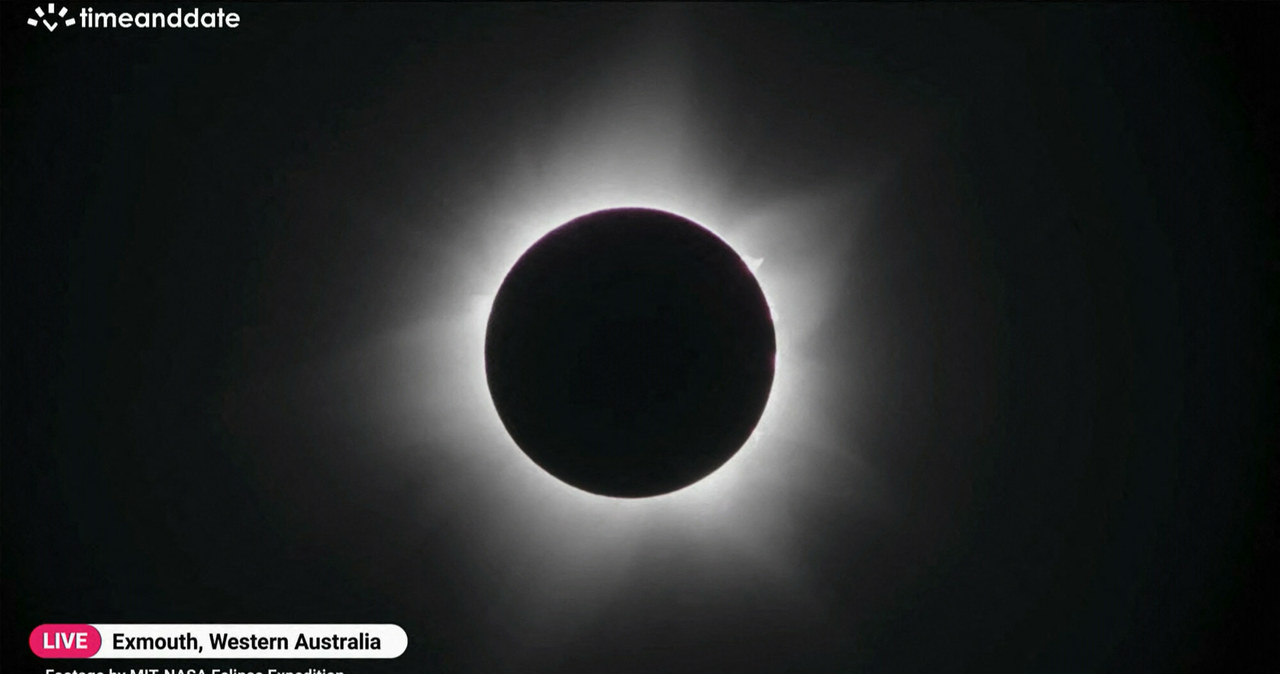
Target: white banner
[171,641]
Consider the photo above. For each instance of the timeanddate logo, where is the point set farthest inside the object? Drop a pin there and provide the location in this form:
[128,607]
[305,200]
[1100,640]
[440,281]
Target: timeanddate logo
[52,16]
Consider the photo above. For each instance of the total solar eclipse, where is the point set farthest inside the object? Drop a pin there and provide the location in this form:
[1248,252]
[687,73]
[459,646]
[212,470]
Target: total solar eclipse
[630,352]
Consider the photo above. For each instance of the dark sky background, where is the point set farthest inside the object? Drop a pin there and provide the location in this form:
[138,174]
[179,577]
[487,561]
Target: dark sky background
[1058,336]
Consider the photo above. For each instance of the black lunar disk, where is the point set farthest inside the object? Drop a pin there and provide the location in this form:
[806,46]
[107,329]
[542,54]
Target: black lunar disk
[630,352]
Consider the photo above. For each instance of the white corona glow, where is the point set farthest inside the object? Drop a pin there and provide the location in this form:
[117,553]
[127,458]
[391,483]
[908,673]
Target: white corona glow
[636,141]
